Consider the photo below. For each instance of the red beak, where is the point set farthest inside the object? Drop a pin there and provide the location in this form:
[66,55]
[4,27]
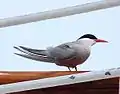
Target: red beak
[100,40]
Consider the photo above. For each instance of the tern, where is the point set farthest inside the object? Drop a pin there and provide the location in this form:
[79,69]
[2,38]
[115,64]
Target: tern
[69,54]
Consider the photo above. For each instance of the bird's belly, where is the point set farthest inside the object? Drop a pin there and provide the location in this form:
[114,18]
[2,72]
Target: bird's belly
[70,62]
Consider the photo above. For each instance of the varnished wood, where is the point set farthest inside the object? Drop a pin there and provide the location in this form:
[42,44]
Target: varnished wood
[12,77]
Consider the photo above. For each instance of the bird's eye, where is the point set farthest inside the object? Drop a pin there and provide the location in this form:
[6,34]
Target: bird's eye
[67,46]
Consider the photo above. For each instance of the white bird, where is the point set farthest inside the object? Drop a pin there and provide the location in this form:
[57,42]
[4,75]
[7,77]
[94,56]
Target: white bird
[69,54]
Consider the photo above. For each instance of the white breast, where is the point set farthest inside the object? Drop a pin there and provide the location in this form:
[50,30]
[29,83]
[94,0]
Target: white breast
[82,51]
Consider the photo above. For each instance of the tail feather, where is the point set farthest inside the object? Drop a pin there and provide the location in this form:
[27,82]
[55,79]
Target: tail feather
[34,51]
[24,51]
[37,58]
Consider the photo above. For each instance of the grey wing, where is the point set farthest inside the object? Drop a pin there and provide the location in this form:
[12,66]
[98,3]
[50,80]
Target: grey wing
[63,51]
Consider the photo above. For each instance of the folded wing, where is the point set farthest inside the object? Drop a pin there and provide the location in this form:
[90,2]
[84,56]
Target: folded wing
[64,51]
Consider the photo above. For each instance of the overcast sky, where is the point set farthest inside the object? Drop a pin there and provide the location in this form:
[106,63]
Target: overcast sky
[104,24]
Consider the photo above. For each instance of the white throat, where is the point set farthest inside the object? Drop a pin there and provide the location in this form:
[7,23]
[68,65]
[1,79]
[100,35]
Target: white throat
[87,42]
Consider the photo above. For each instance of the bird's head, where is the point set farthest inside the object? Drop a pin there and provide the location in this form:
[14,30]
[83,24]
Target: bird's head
[90,39]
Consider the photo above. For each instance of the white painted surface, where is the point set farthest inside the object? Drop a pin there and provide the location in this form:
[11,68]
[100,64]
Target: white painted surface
[58,13]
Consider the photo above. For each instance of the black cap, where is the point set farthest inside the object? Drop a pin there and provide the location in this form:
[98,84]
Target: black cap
[90,36]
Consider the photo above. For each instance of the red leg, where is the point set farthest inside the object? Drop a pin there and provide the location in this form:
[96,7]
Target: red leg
[75,68]
[69,68]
